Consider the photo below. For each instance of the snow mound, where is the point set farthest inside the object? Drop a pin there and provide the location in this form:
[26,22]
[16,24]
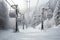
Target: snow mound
[30,29]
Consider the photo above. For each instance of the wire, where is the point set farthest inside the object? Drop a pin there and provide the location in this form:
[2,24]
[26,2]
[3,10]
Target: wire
[10,6]
[8,3]
[13,2]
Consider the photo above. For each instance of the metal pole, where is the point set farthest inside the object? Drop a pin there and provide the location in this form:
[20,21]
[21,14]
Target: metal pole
[28,9]
[23,21]
[16,19]
[42,26]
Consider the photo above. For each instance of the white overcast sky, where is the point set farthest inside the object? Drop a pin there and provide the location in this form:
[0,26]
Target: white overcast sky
[23,5]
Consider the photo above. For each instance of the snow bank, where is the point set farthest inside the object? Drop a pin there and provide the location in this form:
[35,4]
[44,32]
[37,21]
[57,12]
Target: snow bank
[49,23]
[29,29]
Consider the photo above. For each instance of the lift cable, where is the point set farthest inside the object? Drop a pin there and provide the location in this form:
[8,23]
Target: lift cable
[8,3]
[13,2]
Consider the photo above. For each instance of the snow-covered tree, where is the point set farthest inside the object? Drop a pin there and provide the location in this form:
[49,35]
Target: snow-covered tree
[3,14]
[57,13]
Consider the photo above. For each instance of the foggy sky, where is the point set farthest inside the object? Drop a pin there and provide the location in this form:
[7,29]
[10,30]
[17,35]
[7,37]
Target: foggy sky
[23,4]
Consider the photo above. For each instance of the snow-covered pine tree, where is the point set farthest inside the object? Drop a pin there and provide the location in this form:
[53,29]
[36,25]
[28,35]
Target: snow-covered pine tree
[57,13]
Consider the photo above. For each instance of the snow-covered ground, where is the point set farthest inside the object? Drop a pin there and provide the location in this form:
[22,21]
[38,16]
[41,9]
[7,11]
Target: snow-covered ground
[30,29]
[49,34]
